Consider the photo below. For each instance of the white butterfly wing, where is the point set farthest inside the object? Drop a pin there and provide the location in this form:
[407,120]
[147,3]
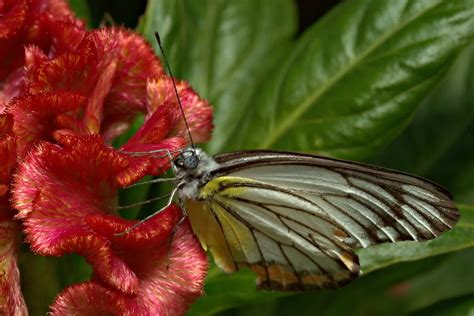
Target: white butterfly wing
[295,218]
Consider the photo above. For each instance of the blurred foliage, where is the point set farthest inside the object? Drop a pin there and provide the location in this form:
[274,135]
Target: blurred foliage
[386,82]
[345,88]
[438,142]
[119,12]
[43,277]
[81,7]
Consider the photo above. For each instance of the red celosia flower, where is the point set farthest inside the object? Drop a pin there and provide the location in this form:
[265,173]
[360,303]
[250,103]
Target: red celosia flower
[167,284]
[11,300]
[164,126]
[67,197]
[198,112]
[8,158]
[13,25]
[53,26]
[74,86]
[110,67]
[47,24]
[39,116]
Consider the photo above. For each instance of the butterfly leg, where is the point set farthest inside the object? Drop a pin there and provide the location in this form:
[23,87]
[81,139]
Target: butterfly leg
[173,167]
[175,230]
[158,153]
[173,194]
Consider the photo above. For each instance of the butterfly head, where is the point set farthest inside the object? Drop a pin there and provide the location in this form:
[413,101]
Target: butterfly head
[188,159]
[193,168]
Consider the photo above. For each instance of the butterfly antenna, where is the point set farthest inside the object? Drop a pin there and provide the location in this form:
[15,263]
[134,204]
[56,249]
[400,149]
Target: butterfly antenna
[157,36]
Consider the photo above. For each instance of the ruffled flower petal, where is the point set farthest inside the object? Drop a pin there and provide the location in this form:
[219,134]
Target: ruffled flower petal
[8,156]
[11,88]
[133,63]
[11,299]
[63,87]
[164,128]
[37,116]
[54,27]
[57,188]
[92,299]
[6,124]
[171,278]
[198,111]
[67,197]
[136,64]
[154,136]
[61,190]
[83,176]
[110,66]
[13,24]
[76,70]
[8,161]
[13,18]
[48,24]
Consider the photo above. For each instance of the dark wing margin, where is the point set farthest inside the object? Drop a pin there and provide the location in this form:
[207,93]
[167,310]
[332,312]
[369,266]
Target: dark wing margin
[236,160]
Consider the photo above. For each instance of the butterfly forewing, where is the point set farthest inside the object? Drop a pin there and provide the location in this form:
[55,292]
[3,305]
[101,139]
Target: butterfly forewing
[387,204]
[295,219]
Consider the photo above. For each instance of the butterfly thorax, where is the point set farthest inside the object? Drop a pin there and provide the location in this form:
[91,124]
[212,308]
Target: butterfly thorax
[193,169]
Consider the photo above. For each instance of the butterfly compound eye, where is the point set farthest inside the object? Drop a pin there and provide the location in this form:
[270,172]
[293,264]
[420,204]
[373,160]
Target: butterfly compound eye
[191,161]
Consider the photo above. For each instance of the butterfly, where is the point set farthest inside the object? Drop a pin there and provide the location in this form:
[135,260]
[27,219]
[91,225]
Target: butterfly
[296,219]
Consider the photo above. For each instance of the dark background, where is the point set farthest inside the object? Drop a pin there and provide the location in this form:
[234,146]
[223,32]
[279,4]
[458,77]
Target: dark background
[125,12]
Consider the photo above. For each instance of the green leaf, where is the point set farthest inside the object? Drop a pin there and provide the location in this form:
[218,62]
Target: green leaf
[355,78]
[39,280]
[226,291]
[438,142]
[425,140]
[134,127]
[456,169]
[459,306]
[368,295]
[425,290]
[396,290]
[72,268]
[44,277]
[460,237]
[81,8]
[225,49]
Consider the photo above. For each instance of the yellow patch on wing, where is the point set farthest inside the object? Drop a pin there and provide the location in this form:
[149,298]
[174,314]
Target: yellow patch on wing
[239,237]
[215,185]
[210,234]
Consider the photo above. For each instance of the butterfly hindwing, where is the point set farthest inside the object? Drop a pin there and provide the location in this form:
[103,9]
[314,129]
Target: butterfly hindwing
[286,253]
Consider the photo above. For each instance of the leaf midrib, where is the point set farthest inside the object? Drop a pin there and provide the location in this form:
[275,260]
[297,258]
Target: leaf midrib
[300,110]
